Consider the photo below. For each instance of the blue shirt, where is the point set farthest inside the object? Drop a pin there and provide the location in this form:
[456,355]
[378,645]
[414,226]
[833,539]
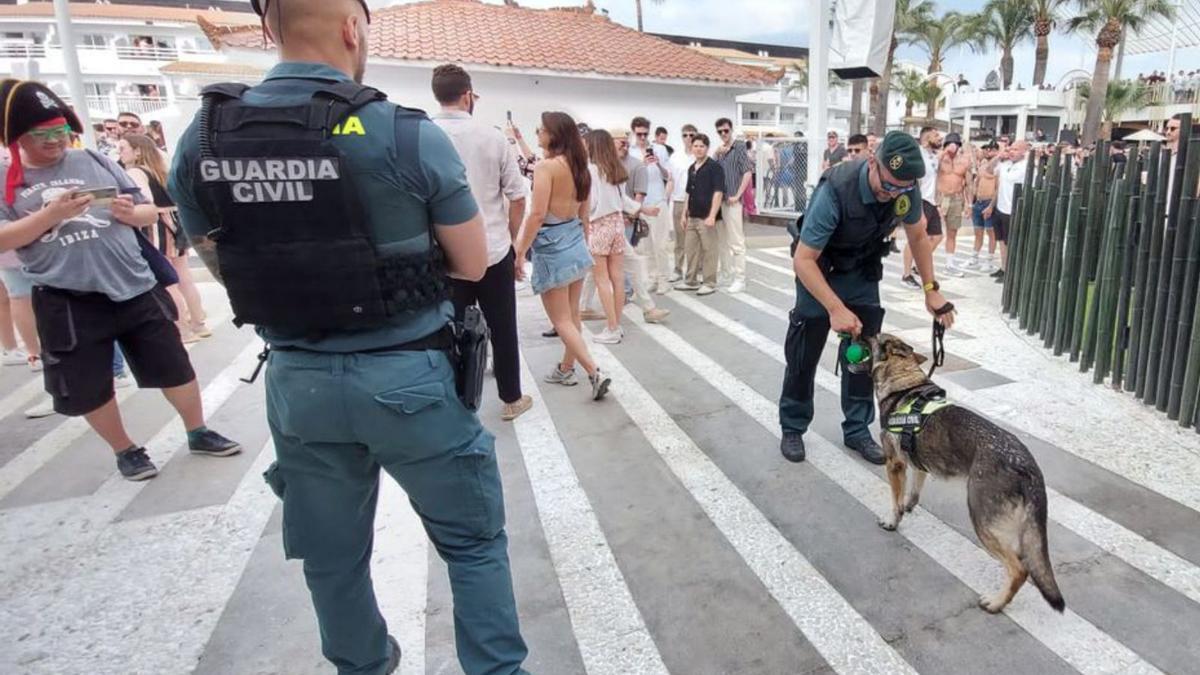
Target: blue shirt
[823,217]
[402,196]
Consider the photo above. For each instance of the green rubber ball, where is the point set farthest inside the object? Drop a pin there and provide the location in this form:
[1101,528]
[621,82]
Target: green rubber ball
[856,353]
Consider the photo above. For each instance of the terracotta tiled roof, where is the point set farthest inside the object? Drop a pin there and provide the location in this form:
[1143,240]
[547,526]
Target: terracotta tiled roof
[140,13]
[575,40]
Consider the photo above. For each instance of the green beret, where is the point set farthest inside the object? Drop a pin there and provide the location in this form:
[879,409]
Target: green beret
[901,155]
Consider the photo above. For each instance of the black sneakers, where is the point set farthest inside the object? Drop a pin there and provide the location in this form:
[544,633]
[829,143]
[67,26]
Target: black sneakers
[792,446]
[911,281]
[135,465]
[394,658]
[868,448]
[209,442]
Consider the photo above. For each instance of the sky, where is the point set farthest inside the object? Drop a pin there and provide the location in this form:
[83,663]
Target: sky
[785,22]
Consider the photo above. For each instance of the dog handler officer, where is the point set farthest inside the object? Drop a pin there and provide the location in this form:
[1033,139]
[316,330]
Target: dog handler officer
[332,217]
[838,258]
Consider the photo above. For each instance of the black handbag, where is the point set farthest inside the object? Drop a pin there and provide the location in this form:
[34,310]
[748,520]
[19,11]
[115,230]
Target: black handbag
[164,272]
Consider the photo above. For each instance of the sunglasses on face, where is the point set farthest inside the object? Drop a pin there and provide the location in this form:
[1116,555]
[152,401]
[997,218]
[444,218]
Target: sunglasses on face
[129,125]
[642,134]
[853,151]
[723,132]
[51,134]
[891,188]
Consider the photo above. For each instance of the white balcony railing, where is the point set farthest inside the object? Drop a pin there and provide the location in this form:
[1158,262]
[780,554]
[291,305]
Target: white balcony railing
[24,49]
[21,49]
[109,105]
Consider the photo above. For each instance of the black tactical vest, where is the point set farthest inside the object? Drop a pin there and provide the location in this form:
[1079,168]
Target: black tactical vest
[862,237]
[293,243]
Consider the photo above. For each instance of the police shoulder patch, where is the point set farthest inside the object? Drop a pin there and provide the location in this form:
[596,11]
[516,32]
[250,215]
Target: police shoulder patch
[903,205]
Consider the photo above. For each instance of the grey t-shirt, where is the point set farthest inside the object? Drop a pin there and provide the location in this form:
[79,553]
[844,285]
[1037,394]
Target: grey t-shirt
[636,183]
[92,253]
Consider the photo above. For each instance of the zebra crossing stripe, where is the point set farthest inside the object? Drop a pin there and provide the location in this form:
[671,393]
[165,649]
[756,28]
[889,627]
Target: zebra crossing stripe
[400,572]
[610,631]
[1155,561]
[1070,636]
[843,637]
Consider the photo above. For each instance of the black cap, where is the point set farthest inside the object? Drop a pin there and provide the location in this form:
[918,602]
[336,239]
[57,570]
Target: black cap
[952,138]
[28,104]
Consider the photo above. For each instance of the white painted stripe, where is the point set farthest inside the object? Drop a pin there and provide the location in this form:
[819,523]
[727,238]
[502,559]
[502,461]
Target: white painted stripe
[87,513]
[21,397]
[1174,473]
[1072,637]
[843,637]
[1155,561]
[160,583]
[24,465]
[609,629]
[400,570]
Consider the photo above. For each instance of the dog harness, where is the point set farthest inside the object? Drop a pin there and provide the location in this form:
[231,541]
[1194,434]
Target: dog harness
[908,417]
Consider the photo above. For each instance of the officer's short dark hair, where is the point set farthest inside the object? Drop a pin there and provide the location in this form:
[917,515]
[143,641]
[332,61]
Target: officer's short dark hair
[639,122]
[703,138]
[450,82]
[856,139]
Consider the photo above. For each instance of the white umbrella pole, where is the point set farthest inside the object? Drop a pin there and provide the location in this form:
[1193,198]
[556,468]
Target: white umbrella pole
[66,40]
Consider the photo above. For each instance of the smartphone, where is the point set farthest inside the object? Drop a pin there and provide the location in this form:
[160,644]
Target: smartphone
[649,152]
[100,196]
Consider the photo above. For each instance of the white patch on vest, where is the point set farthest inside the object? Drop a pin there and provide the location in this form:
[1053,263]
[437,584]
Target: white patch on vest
[262,180]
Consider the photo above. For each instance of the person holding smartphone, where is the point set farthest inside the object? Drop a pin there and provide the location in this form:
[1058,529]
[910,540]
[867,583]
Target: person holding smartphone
[70,215]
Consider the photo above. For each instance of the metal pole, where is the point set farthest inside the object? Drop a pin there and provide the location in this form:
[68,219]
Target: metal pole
[1174,43]
[66,41]
[818,86]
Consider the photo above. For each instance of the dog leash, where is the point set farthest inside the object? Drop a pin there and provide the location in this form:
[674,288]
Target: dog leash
[938,351]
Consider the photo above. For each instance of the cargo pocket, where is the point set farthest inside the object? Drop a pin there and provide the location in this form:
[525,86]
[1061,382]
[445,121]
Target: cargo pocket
[274,478]
[55,321]
[414,399]
[424,420]
[480,479]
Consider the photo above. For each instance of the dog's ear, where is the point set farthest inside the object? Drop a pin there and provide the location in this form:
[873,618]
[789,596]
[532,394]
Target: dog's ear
[920,359]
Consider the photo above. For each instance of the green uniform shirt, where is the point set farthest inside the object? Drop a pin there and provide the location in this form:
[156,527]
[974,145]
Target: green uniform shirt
[401,196]
[823,217]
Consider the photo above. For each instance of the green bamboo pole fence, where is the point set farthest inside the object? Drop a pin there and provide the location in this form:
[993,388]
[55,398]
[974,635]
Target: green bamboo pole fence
[1125,287]
[1189,211]
[1050,296]
[1068,279]
[1163,284]
[1189,160]
[1145,233]
[1158,223]
[1091,245]
[1030,225]
[1097,335]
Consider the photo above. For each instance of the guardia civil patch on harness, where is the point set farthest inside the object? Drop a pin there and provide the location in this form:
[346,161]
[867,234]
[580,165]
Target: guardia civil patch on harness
[903,205]
[257,180]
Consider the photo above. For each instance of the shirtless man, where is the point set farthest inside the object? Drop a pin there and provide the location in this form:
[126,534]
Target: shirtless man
[954,194]
[985,193]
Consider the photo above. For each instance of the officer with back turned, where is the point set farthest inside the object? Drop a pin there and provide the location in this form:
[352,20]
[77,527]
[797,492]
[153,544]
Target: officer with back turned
[333,217]
[838,255]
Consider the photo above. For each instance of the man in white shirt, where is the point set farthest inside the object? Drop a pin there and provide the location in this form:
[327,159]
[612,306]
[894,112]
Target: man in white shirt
[659,185]
[680,162]
[1009,173]
[931,142]
[499,190]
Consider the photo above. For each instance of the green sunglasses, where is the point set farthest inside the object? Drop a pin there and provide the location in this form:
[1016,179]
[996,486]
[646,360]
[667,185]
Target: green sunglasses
[51,133]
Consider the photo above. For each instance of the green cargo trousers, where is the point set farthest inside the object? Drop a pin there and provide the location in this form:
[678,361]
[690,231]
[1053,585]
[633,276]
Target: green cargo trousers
[336,420]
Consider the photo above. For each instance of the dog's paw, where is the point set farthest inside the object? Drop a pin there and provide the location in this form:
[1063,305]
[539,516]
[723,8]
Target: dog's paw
[990,604]
[910,505]
[888,524]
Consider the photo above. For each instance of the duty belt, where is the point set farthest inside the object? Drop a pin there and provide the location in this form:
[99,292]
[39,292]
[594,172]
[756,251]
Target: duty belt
[441,341]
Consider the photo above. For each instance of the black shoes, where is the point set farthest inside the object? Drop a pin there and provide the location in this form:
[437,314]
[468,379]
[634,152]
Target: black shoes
[792,446]
[550,333]
[394,659]
[135,465]
[868,448]
[209,442]
[998,275]
[910,281]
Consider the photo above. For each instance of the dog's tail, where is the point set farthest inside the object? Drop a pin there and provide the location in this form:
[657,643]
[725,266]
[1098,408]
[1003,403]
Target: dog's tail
[1035,551]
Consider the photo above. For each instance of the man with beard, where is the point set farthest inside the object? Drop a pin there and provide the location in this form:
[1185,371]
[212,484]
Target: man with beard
[954,194]
[985,194]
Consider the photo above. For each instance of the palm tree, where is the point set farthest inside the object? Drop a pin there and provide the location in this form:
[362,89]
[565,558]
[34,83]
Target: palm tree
[911,85]
[639,10]
[910,14]
[1109,19]
[1121,97]
[1045,13]
[1003,24]
[938,36]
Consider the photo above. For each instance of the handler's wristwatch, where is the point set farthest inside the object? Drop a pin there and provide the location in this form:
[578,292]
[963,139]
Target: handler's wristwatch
[932,286]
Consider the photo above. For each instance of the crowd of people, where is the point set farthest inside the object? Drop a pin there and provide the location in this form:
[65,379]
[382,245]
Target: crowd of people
[1180,87]
[82,288]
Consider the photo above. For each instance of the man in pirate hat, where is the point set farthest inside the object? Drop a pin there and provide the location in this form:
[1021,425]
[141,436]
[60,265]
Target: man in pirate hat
[71,217]
[838,250]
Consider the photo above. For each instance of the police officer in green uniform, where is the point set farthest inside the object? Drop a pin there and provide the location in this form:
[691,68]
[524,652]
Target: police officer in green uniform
[838,255]
[333,218]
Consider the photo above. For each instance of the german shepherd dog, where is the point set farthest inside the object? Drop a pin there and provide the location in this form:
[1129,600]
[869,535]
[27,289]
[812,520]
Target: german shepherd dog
[1006,494]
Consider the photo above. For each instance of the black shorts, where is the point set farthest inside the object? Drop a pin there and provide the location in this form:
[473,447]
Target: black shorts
[1000,223]
[933,219]
[78,331]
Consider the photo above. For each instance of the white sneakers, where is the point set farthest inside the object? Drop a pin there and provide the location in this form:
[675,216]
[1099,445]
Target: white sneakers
[608,336]
[43,408]
[122,381]
[706,290]
[15,358]
[738,286]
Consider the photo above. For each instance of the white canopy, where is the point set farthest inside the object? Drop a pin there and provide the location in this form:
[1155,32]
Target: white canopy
[1144,136]
[1156,36]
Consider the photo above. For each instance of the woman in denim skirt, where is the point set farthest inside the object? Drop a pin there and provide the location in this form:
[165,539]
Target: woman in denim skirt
[556,231]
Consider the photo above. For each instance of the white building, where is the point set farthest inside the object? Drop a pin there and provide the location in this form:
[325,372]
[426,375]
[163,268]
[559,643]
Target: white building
[525,61]
[122,51]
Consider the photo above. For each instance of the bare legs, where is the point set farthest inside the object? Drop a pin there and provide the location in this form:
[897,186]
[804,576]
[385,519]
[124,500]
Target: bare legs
[609,274]
[8,339]
[190,294]
[562,307]
[106,420]
[22,316]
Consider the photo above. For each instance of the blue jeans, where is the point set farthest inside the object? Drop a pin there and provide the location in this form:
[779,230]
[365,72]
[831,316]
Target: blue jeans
[337,419]
[118,361]
[977,213]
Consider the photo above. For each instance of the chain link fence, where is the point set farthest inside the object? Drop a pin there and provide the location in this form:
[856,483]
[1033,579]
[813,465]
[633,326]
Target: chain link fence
[781,175]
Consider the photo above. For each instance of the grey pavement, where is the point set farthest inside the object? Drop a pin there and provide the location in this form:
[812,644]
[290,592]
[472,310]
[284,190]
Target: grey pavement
[656,531]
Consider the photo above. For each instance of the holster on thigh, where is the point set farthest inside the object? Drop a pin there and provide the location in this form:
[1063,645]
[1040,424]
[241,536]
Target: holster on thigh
[802,349]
